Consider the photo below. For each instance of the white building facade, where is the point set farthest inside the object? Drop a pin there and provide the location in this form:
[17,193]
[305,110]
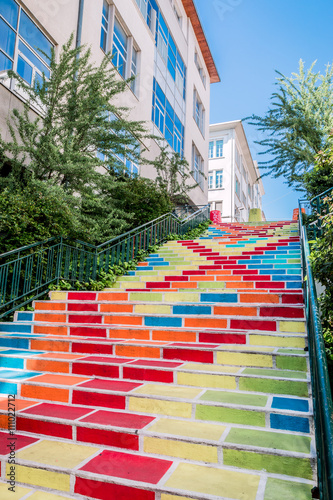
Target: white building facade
[234,186]
[160,43]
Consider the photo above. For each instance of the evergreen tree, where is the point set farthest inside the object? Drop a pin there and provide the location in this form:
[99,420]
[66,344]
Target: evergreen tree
[298,123]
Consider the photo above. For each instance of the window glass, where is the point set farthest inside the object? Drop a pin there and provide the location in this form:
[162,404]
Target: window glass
[165,118]
[105,26]
[219,149]
[119,48]
[5,62]
[219,179]
[7,39]
[237,187]
[210,181]
[211,149]
[170,54]
[24,70]
[197,166]
[35,38]
[32,58]
[9,10]
[134,68]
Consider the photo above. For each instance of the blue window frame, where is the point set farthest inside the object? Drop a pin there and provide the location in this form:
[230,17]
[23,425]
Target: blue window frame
[167,121]
[32,51]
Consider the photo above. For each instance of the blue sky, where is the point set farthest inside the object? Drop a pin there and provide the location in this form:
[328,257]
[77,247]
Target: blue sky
[250,39]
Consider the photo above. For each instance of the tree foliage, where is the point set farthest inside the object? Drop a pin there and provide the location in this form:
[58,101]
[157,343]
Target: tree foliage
[70,150]
[173,176]
[36,212]
[320,178]
[79,129]
[322,265]
[298,123]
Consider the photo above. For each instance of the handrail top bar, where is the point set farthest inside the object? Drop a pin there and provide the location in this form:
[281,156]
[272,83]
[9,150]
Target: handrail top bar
[137,229]
[321,194]
[27,247]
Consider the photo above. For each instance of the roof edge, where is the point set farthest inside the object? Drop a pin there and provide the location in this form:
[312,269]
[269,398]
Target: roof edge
[192,14]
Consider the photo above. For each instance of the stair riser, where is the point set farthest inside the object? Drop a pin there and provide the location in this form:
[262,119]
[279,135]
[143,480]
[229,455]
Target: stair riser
[142,441]
[143,370]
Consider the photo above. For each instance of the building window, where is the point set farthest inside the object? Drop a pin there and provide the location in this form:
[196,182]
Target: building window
[143,6]
[219,179]
[170,54]
[237,187]
[167,121]
[216,149]
[199,68]
[249,190]
[244,199]
[164,42]
[177,14]
[198,112]
[211,150]
[219,149]
[123,161]
[134,68]
[197,167]
[124,56]
[119,48]
[210,181]
[105,26]
[23,47]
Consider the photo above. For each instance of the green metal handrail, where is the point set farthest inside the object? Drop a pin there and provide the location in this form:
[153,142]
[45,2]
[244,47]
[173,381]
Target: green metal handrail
[27,272]
[322,396]
[320,208]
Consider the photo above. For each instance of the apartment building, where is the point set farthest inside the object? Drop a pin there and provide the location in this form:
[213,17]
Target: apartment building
[161,44]
[234,186]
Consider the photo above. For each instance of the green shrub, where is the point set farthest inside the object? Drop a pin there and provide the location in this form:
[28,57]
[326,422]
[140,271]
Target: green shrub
[36,213]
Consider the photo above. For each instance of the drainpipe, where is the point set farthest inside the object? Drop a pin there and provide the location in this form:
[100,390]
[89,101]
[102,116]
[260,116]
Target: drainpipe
[79,24]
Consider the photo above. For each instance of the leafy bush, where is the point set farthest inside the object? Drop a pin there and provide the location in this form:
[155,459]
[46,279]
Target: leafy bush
[322,265]
[141,198]
[35,213]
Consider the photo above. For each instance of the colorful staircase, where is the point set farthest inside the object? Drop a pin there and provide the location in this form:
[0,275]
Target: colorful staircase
[187,380]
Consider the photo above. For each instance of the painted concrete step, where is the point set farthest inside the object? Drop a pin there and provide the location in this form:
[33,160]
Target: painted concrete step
[65,300]
[255,296]
[36,336]
[169,308]
[75,319]
[179,438]
[94,472]
[158,371]
[283,412]
[193,374]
